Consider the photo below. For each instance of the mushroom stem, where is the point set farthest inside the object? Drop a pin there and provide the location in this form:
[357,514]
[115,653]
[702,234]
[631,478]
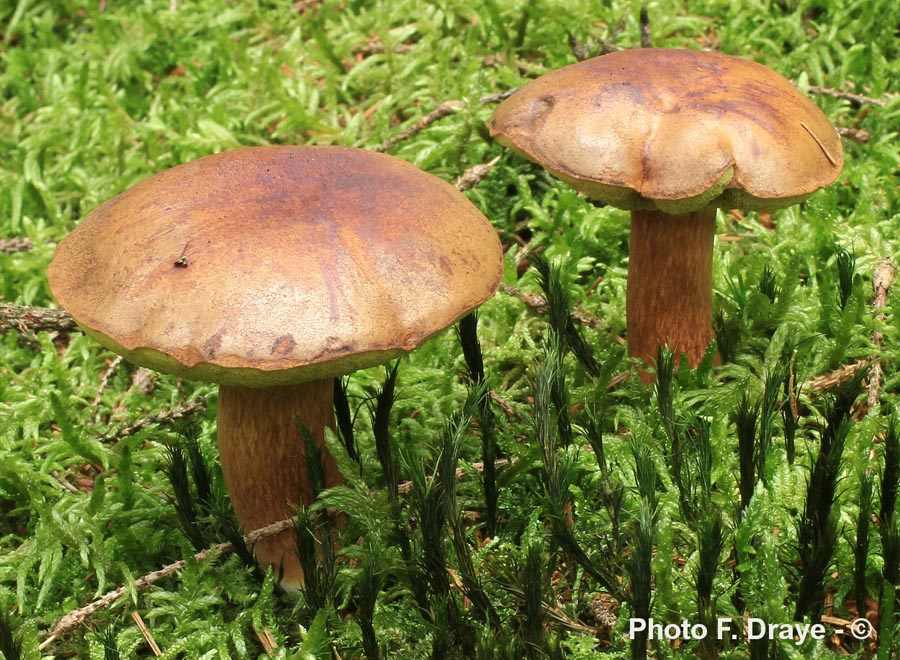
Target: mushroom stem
[264,460]
[669,295]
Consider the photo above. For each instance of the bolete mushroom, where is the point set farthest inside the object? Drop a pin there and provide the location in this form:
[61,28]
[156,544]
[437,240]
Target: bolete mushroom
[672,135]
[270,271]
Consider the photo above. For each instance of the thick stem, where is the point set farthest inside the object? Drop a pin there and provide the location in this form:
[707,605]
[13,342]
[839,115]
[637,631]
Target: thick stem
[669,296]
[264,460]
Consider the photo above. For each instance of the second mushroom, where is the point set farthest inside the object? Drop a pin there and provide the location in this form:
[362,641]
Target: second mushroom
[672,135]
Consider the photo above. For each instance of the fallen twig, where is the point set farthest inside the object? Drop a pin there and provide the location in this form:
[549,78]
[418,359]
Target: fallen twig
[31,319]
[496,97]
[266,640]
[443,110]
[165,417]
[882,279]
[579,50]
[104,382]
[15,244]
[604,46]
[303,6]
[556,615]
[859,134]
[505,405]
[148,636]
[77,617]
[836,378]
[407,486]
[64,483]
[473,176]
[376,46]
[838,94]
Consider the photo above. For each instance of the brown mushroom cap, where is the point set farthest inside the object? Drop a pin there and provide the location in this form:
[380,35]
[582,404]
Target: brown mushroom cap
[674,130]
[276,265]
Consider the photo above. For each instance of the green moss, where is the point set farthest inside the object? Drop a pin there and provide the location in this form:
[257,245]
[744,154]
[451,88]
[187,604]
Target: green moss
[92,101]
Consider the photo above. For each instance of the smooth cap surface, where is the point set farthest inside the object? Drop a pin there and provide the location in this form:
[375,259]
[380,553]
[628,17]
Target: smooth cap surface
[675,130]
[274,265]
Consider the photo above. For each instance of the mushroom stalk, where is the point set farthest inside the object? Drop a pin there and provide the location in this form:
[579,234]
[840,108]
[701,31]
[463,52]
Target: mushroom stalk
[264,459]
[669,293]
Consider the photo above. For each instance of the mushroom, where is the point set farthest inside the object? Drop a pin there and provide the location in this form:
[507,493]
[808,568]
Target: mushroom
[270,271]
[671,135]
